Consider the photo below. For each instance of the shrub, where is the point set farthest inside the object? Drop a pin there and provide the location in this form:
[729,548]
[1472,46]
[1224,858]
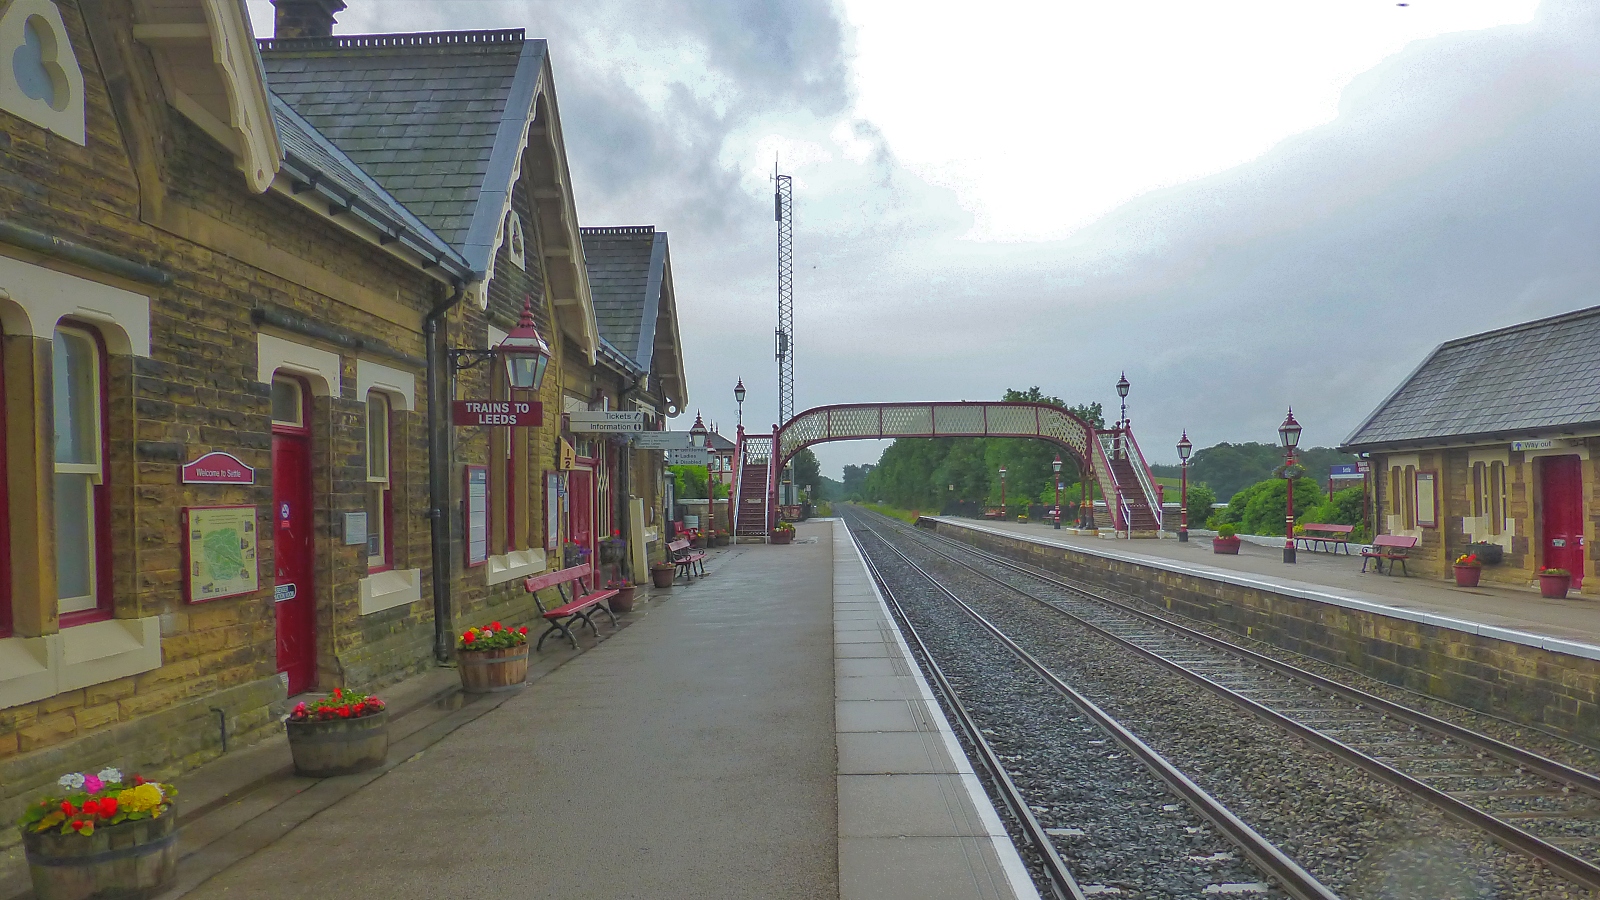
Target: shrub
[1226,531]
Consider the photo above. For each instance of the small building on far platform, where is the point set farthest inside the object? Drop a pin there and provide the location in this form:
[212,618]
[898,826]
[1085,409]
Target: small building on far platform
[1495,439]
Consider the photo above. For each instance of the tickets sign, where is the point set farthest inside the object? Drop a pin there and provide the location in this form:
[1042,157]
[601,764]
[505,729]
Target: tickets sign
[509,413]
[606,420]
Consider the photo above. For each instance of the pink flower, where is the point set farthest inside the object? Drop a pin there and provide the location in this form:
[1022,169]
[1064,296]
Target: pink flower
[92,784]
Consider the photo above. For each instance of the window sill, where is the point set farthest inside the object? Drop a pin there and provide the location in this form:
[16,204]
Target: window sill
[92,653]
[387,590]
[652,534]
[514,565]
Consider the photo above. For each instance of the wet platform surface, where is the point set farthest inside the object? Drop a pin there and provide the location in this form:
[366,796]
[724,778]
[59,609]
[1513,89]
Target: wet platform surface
[761,732]
[1568,626]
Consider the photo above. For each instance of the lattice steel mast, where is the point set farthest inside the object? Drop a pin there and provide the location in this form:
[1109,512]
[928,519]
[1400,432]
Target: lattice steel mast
[783,211]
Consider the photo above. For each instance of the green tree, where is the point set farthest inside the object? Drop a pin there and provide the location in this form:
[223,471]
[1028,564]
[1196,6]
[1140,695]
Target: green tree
[1200,499]
[1259,508]
[855,482]
[807,471]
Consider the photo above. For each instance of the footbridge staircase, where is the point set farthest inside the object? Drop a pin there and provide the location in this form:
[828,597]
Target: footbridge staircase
[1111,456]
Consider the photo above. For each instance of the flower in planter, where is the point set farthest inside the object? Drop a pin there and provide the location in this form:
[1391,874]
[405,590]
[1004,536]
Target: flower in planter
[493,636]
[1467,559]
[784,526]
[340,704]
[97,800]
[1555,572]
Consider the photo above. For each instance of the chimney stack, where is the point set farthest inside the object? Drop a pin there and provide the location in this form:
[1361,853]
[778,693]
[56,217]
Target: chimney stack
[305,18]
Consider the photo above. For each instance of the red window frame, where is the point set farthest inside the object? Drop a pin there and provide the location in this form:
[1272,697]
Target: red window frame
[387,513]
[5,506]
[103,609]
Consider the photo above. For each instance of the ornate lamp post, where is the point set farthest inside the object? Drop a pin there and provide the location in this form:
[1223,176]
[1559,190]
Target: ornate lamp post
[1056,468]
[1184,449]
[1002,493]
[1289,434]
[738,396]
[1122,391]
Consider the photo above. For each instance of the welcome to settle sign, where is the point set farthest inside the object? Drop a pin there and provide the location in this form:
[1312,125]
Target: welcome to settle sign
[513,413]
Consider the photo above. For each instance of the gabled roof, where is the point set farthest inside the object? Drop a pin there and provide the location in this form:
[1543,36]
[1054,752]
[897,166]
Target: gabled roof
[1537,377]
[630,278]
[446,122]
[312,159]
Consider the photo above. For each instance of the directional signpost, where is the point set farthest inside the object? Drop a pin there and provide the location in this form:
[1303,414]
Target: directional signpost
[607,420]
[689,457]
[662,440]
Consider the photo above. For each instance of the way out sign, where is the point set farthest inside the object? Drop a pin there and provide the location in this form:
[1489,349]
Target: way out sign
[513,413]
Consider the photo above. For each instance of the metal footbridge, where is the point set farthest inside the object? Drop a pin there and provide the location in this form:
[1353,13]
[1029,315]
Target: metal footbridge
[1110,455]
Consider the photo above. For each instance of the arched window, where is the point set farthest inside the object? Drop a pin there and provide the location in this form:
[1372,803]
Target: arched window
[45,84]
[516,246]
[380,484]
[1497,498]
[82,492]
[1411,497]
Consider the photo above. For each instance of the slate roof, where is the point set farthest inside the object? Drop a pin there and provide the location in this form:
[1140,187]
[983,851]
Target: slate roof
[626,268]
[1537,377]
[312,157]
[432,117]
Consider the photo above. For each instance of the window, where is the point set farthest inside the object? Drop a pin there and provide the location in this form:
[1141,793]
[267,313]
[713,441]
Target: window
[83,516]
[1497,498]
[5,508]
[288,403]
[1427,500]
[515,246]
[1411,497]
[380,495]
[44,84]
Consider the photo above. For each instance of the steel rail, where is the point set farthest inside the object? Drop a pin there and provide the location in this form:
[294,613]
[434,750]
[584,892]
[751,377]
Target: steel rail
[1294,879]
[1569,865]
[1511,753]
[1062,884]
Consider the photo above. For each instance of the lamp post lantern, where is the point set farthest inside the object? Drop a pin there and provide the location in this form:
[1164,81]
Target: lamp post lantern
[1002,493]
[738,397]
[1122,423]
[1289,434]
[1184,449]
[1055,467]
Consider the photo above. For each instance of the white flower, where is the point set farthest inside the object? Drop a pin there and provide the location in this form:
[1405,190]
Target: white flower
[72,781]
[110,775]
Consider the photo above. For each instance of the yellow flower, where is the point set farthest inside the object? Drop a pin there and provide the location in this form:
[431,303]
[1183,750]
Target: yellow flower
[144,798]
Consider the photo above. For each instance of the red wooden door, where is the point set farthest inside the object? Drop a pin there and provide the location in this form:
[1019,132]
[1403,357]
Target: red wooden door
[580,522]
[1561,491]
[293,554]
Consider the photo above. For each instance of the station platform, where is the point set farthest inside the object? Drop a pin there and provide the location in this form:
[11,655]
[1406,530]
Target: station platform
[761,732]
[1569,626]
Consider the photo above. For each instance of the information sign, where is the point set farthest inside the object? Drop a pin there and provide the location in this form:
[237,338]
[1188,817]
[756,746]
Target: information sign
[219,551]
[607,420]
[690,457]
[477,515]
[1345,470]
[1543,444]
[662,440]
[511,413]
[217,467]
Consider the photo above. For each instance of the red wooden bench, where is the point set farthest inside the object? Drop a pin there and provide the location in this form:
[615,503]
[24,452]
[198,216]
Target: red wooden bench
[1392,548]
[579,608]
[686,559]
[1331,537]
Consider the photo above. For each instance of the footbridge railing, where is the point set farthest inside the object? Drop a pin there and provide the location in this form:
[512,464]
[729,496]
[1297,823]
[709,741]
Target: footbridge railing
[870,421]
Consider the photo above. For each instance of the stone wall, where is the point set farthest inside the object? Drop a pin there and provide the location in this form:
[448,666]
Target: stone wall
[1525,684]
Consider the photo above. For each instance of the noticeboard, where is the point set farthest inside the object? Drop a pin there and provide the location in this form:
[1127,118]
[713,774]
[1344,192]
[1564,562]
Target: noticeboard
[475,507]
[219,552]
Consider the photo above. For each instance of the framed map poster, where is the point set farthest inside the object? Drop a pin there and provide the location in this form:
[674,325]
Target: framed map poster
[219,552]
[475,508]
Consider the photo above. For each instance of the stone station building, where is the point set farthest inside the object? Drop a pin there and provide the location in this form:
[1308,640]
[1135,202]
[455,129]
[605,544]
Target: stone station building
[231,280]
[1495,439]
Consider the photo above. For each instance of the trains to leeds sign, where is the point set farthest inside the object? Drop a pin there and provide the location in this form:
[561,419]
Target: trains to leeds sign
[515,413]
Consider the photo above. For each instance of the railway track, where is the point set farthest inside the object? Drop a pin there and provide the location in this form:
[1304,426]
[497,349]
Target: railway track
[1522,800]
[1158,859]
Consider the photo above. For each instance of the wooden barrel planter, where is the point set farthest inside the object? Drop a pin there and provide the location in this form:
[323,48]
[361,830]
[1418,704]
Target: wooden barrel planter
[323,748]
[623,601]
[783,537]
[131,861]
[486,671]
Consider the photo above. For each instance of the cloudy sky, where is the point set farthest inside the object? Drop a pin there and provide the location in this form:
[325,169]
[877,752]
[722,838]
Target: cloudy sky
[1244,204]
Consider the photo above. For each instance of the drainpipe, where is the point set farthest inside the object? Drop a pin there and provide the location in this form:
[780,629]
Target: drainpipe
[439,466]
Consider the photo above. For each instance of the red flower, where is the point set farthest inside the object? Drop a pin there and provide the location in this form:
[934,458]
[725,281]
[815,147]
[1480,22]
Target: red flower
[494,626]
[77,824]
[344,712]
[468,638]
[108,807]
[138,780]
[337,693]
[67,808]
[524,629]
[91,807]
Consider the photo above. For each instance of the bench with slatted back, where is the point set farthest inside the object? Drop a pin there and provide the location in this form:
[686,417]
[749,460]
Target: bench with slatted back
[579,607]
[1331,537]
[1390,547]
[686,559]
